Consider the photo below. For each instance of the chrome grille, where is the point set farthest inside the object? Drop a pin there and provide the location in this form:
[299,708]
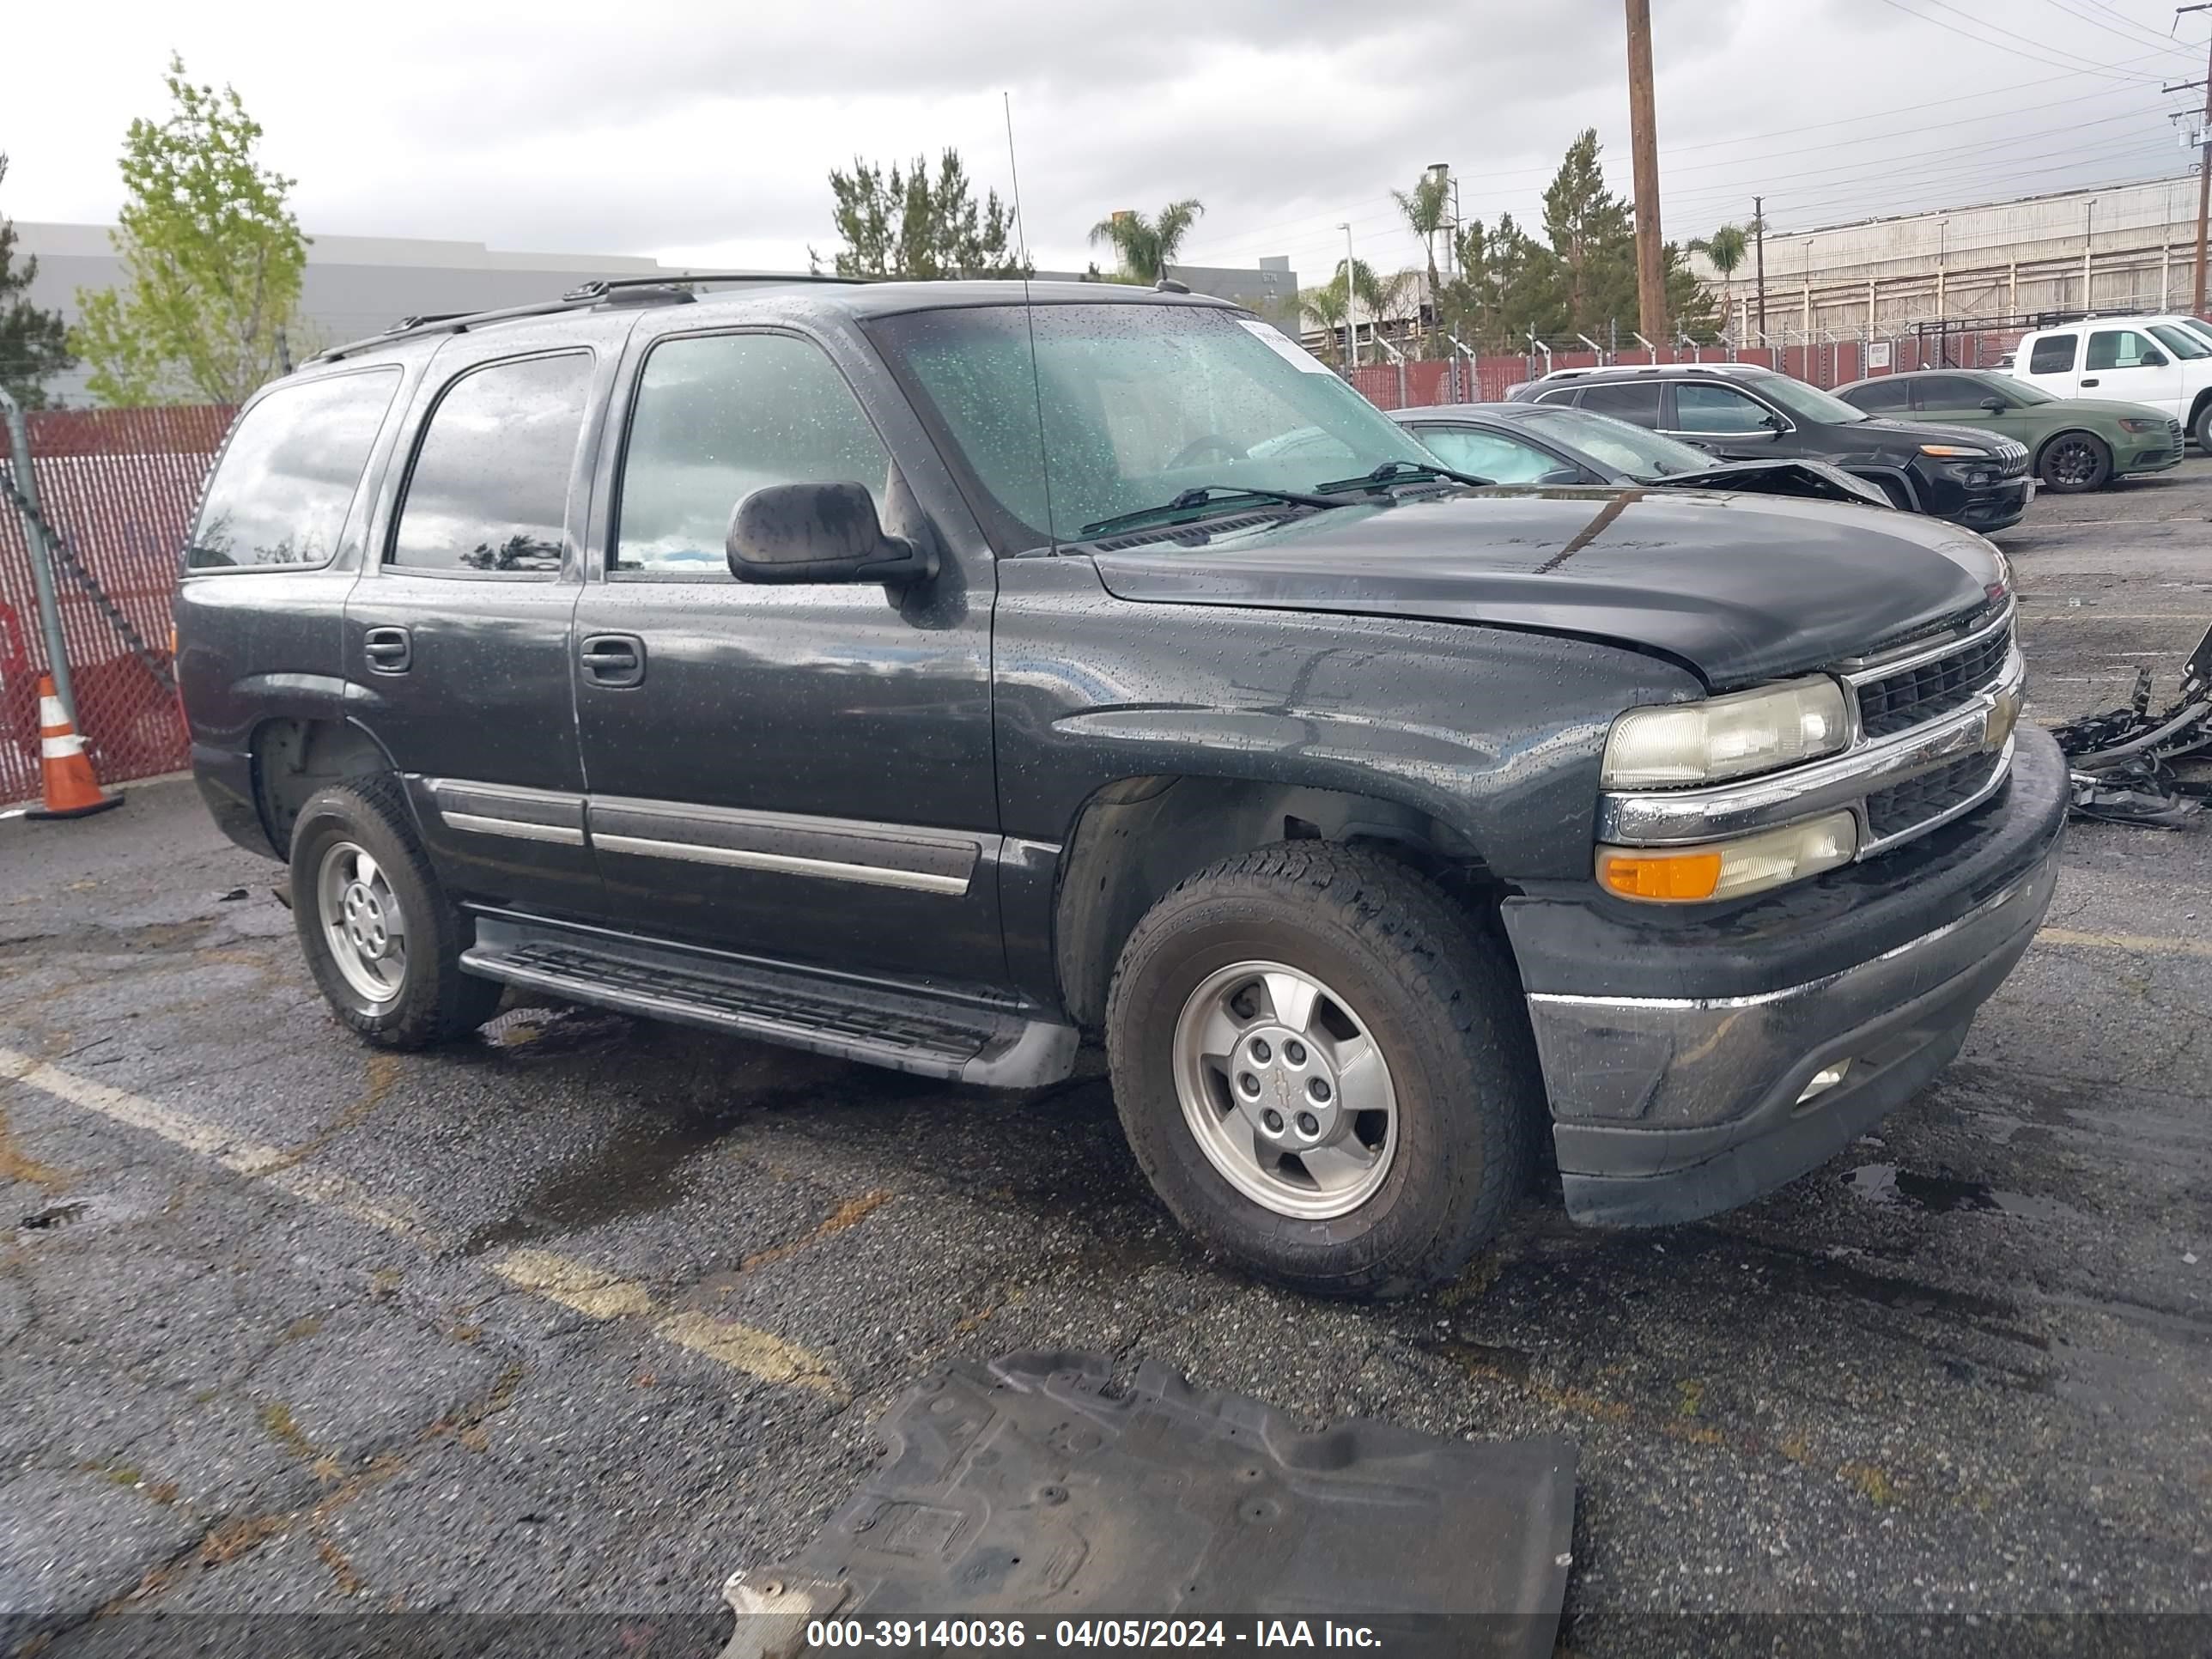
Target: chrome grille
[1891,703]
[1917,802]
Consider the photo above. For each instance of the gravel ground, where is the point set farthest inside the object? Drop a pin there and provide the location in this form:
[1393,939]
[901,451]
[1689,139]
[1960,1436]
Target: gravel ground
[586,1314]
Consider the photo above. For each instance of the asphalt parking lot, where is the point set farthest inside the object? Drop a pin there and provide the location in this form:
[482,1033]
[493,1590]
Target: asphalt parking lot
[586,1314]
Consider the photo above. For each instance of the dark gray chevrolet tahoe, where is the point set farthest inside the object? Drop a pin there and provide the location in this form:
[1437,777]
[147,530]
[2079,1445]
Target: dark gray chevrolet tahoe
[930,674]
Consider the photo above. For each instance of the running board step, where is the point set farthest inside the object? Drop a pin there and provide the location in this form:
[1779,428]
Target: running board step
[997,1047]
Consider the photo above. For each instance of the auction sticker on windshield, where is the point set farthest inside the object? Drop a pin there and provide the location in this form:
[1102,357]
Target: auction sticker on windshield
[1280,344]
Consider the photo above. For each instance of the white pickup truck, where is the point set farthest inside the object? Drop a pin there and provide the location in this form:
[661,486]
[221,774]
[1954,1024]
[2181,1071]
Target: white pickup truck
[2165,362]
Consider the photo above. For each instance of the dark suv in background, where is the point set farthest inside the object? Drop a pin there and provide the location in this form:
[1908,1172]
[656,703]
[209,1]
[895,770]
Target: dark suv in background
[1743,412]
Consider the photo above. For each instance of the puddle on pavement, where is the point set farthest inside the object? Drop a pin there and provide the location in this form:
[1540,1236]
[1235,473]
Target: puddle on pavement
[637,1171]
[1896,1187]
[1481,1359]
[541,1033]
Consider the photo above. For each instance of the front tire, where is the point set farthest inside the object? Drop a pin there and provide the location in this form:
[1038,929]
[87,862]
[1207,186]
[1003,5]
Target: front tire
[1322,1071]
[380,935]
[2201,427]
[2074,463]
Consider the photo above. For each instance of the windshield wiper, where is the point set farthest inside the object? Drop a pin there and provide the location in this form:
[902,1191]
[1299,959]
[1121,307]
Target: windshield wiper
[1199,501]
[1391,472]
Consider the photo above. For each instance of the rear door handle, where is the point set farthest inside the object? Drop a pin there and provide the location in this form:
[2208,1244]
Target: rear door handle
[388,650]
[613,660]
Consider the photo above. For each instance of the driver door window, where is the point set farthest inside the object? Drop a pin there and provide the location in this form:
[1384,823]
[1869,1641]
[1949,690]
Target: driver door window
[2117,348]
[1491,454]
[1701,408]
[718,416]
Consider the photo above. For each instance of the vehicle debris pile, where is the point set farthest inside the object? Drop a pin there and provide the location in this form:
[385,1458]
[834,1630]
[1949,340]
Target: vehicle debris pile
[2122,761]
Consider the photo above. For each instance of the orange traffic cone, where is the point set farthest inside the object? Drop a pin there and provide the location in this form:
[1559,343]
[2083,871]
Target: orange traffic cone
[72,791]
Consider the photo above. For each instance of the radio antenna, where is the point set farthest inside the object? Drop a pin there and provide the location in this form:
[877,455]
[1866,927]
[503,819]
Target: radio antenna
[1029,315]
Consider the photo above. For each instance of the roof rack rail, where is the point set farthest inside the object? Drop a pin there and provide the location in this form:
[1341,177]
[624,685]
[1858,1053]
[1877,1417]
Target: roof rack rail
[671,288]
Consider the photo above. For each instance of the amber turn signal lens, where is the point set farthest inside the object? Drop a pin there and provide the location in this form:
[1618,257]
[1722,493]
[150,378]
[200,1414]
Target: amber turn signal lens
[1661,875]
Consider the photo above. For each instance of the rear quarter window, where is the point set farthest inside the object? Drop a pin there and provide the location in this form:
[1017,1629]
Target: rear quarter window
[285,484]
[2053,354]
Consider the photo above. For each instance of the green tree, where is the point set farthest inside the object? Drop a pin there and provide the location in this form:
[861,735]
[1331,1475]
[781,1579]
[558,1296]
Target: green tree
[1507,286]
[910,225]
[211,257]
[1146,247]
[34,344]
[1427,210]
[1593,237]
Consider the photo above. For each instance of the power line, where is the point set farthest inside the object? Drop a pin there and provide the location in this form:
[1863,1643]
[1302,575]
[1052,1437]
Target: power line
[2112,70]
[2165,43]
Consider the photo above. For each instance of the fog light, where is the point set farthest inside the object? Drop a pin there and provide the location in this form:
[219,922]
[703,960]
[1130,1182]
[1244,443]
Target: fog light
[1825,1080]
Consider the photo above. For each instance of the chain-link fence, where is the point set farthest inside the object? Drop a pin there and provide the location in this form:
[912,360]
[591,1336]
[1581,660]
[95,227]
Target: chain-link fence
[115,489]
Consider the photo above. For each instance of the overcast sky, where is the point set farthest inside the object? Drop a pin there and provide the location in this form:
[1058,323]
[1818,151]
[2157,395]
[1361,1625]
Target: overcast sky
[703,133]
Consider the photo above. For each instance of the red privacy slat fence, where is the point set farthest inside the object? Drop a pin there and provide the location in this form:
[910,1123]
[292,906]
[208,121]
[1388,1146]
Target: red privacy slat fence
[120,484]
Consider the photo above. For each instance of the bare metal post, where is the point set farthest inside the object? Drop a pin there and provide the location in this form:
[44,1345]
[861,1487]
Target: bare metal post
[42,569]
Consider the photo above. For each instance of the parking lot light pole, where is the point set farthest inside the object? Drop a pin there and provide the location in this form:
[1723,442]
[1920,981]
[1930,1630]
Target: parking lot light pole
[1351,302]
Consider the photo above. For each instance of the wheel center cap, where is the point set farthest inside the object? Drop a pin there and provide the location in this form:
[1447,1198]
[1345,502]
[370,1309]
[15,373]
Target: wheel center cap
[364,922]
[1286,1090]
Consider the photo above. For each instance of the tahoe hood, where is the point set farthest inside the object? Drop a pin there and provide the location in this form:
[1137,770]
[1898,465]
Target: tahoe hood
[1741,588]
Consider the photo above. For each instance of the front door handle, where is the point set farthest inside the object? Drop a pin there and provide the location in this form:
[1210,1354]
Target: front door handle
[388,650]
[2088,383]
[613,660]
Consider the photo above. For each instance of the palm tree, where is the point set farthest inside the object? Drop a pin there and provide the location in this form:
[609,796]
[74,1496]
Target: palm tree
[1146,247]
[1427,207]
[1376,297]
[1725,249]
[1325,306]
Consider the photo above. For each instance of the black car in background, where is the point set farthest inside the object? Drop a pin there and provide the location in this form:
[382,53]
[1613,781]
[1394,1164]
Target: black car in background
[1545,444]
[1743,412]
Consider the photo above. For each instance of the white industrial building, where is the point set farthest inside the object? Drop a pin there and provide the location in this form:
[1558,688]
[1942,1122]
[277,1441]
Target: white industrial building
[2113,248]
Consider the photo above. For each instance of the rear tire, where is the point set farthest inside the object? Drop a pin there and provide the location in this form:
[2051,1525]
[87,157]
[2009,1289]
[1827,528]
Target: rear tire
[2201,427]
[1305,963]
[2074,463]
[380,937]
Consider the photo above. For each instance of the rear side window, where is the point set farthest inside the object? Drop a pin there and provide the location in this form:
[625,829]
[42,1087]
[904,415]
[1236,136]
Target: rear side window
[719,417]
[1635,400]
[281,493]
[2053,354]
[1881,398]
[489,490]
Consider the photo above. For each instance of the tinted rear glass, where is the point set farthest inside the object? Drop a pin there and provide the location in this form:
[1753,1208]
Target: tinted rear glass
[1880,396]
[288,475]
[2053,354]
[1638,401]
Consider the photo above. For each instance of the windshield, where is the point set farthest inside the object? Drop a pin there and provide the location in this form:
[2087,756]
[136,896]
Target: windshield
[2197,326]
[1808,402]
[1640,453]
[1139,403]
[2180,340]
[2019,393]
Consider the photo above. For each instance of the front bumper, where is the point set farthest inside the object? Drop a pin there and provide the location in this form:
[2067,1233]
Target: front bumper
[2155,457]
[1992,507]
[1677,1055]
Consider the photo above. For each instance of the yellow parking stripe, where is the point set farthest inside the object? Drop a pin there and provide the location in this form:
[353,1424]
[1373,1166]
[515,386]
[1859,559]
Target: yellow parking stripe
[576,1286]
[2147,943]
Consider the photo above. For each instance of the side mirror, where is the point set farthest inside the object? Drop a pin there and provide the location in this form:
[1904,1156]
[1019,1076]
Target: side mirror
[2153,360]
[819,533]
[1774,423]
[1561,475]
[1995,406]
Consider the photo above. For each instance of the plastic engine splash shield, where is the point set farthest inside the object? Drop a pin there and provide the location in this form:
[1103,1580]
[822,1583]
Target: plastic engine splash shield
[1031,1491]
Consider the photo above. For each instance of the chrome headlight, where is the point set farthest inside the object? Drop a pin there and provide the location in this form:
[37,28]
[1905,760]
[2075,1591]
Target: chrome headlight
[1692,743]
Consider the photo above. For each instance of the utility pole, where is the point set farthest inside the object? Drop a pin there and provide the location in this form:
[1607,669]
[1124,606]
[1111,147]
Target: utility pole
[1644,140]
[2204,163]
[1758,242]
